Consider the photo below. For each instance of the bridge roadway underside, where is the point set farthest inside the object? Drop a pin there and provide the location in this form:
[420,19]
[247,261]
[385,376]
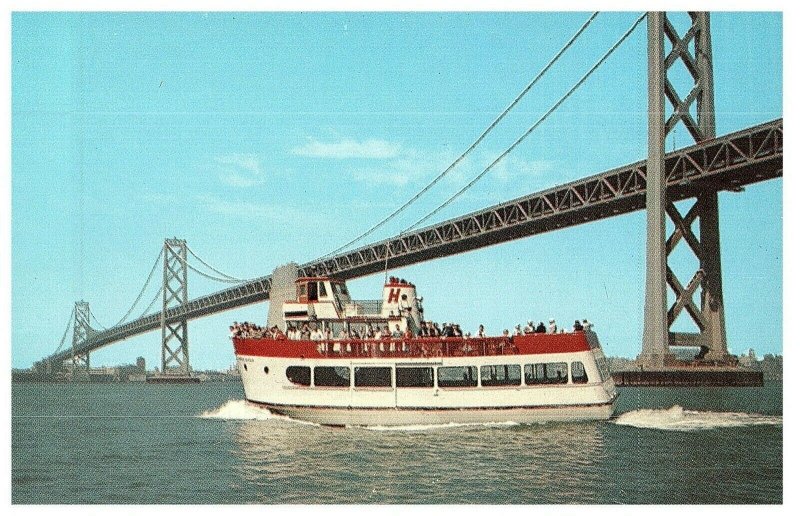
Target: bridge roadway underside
[728,162]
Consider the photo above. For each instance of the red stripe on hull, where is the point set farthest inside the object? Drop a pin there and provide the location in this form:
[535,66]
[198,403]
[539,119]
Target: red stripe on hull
[533,344]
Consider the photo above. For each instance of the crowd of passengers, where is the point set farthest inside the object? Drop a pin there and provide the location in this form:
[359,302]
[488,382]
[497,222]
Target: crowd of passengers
[552,327]
[314,331]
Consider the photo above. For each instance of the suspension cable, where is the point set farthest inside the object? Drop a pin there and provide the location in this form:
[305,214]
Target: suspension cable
[530,130]
[213,269]
[95,320]
[152,302]
[474,144]
[66,331]
[141,292]
[198,271]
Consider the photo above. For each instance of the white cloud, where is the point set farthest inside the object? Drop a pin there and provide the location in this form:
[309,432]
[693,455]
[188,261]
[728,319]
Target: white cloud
[513,167]
[247,209]
[240,170]
[348,148]
[410,166]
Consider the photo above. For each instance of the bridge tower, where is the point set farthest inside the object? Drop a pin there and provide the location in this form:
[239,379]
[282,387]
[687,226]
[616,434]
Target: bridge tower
[696,112]
[81,331]
[175,333]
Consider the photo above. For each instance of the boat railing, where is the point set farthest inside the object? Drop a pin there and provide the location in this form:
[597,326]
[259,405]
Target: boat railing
[422,347]
[364,306]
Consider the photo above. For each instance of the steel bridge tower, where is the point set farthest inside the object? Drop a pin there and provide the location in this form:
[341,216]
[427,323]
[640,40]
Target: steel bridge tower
[696,112]
[175,333]
[81,331]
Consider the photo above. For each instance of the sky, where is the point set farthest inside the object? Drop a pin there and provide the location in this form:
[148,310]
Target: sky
[265,138]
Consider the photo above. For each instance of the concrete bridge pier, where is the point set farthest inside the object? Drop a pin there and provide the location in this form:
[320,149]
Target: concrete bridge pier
[283,289]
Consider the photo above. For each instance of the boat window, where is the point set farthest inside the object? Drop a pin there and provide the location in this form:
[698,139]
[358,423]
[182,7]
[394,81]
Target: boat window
[552,372]
[414,376]
[373,376]
[458,376]
[602,365]
[299,375]
[579,373]
[500,375]
[323,292]
[312,291]
[332,376]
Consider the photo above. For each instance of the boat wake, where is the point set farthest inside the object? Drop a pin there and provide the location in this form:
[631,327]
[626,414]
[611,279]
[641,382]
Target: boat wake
[679,419]
[242,410]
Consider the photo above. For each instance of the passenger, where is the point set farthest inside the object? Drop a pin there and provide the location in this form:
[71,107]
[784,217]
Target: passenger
[577,326]
[480,333]
[437,330]
[457,331]
[396,334]
[540,328]
[407,334]
[505,333]
[317,334]
[552,328]
[529,328]
[587,326]
[305,332]
[425,330]
[342,334]
[448,330]
[517,330]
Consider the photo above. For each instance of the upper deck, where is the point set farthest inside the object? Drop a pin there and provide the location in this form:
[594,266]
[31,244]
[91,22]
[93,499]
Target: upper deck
[419,347]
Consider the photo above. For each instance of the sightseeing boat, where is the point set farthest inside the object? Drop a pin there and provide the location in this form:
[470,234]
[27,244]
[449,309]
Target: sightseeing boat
[362,363]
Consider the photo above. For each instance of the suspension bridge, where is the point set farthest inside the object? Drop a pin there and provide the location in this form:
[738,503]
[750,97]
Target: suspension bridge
[713,164]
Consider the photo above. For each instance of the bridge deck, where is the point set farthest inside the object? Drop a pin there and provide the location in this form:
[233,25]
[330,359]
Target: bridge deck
[725,163]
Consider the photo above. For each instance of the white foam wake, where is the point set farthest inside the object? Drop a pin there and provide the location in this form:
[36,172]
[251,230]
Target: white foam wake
[238,410]
[679,419]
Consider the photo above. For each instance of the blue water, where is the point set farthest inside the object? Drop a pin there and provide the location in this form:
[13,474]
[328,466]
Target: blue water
[138,443]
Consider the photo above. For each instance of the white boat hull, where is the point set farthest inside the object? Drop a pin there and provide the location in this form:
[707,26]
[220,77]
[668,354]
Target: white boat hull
[332,416]
[354,406]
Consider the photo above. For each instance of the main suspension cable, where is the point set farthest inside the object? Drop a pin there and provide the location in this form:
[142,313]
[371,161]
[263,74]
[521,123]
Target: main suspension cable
[198,271]
[214,269]
[141,292]
[95,320]
[529,131]
[474,144]
[66,331]
[152,302]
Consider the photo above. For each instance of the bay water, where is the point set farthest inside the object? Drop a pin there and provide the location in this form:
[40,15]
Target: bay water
[203,444]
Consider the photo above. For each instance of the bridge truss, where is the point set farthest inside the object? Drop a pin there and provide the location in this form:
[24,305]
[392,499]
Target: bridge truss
[726,163]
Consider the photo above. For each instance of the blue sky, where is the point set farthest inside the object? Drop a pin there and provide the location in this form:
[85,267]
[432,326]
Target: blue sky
[268,138]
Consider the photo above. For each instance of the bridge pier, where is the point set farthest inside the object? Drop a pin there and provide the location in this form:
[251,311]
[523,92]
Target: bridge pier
[175,334]
[709,319]
[283,289]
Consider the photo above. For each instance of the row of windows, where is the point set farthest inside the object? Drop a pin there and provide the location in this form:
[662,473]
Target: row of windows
[466,376]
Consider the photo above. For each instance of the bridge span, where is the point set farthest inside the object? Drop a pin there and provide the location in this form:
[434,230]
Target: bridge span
[725,163]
